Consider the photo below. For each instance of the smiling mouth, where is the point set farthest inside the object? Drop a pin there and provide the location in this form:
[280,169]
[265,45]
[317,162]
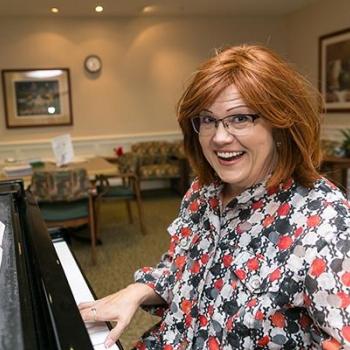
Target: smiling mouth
[229,156]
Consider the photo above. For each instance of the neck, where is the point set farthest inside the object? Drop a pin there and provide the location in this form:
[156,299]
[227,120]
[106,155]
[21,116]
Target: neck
[228,193]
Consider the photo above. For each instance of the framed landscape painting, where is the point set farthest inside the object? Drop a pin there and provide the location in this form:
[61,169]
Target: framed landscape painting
[334,70]
[37,97]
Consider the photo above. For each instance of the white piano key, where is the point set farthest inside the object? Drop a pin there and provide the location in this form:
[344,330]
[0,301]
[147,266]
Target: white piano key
[99,337]
[79,288]
[98,331]
[2,230]
[95,326]
[102,347]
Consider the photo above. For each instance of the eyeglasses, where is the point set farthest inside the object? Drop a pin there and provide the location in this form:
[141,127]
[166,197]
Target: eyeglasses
[236,124]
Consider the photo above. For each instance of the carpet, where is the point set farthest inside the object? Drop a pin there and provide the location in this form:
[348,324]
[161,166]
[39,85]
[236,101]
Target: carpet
[125,249]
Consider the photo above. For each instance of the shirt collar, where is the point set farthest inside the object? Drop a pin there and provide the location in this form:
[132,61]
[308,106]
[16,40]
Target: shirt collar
[251,194]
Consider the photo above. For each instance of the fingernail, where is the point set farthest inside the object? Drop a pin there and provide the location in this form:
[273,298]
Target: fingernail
[108,343]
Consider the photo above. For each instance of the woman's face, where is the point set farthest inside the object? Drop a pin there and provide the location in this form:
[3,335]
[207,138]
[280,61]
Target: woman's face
[243,160]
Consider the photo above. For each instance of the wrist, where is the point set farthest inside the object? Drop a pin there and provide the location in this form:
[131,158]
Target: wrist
[139,292]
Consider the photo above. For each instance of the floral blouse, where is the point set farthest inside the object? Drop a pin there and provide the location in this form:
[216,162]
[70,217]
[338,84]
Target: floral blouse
[269,271]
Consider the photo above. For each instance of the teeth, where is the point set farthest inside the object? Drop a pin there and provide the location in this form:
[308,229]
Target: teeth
[229,154]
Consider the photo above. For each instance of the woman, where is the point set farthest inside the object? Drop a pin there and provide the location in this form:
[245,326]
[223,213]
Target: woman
[259,255]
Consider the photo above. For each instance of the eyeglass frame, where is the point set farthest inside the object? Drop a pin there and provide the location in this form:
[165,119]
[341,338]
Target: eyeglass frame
[254,117]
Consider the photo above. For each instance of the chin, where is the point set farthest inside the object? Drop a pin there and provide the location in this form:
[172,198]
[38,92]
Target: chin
[232,180]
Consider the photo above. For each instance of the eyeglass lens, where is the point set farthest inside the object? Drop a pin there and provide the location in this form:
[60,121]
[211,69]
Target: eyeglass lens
[235,124]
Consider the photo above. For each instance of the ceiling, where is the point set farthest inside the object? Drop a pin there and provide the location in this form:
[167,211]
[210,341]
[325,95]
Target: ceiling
[155,7]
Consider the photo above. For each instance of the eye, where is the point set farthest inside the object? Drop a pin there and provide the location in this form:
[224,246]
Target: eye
[240,118]
[206,119]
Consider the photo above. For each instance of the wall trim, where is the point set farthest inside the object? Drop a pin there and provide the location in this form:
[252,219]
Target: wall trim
[146,136]
[99,145]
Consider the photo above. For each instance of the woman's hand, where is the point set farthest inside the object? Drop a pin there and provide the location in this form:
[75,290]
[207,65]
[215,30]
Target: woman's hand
[119,307]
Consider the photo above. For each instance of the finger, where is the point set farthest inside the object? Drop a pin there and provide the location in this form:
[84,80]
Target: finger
[86,304]
[85,315]
[114,334]
[89,315]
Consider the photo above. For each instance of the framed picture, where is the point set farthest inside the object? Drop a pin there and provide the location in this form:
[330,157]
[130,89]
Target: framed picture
[37,97]
[334,70]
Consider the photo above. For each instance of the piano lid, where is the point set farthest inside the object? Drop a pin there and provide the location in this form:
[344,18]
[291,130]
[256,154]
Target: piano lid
[37,309]
[10,312]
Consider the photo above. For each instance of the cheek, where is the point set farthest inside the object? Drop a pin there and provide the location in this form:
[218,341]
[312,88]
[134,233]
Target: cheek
[265,150]
[262,148]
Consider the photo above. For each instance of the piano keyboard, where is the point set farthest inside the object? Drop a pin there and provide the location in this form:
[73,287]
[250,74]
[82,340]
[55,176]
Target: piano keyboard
[2,230]
[98,331]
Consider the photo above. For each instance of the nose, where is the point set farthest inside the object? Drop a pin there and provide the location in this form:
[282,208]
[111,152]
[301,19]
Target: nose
[221,134]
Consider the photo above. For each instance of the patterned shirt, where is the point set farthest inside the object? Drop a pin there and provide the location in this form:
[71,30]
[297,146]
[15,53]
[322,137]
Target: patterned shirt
[271,270]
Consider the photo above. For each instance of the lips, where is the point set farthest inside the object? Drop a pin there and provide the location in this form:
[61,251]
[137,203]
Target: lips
[229,156]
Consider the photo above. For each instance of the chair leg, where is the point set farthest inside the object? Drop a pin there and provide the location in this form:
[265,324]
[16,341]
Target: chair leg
[139,207]
[96,208]
[97,214]
[92,225]
[128,208]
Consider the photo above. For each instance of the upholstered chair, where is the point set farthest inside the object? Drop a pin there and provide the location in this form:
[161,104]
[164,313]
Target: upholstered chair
[159,160]
[65,198]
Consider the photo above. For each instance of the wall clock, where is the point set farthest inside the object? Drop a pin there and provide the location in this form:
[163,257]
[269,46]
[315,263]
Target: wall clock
[93,63]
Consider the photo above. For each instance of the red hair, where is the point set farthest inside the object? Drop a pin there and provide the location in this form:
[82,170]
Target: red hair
[272,88]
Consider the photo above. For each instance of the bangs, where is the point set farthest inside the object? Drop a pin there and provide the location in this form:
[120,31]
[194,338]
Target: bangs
[206,89]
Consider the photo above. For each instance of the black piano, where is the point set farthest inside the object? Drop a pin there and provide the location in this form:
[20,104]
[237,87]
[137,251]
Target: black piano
[37,305]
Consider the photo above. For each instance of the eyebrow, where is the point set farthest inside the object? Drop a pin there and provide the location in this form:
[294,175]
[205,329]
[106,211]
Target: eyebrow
[227,110]
[239,106]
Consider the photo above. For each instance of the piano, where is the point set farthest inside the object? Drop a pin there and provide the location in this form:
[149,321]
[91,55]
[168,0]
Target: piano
[40,282]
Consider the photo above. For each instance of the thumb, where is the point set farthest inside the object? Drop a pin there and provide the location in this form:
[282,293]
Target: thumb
[114,334]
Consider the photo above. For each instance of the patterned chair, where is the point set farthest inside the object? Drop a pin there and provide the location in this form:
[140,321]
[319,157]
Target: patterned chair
[65,198]
[159,160]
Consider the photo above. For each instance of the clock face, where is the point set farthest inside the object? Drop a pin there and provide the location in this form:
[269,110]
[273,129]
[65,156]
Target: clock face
[93,63]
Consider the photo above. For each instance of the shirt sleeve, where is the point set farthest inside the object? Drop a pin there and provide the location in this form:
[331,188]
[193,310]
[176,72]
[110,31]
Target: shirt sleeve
[158,279]
[327,288]
[161,278]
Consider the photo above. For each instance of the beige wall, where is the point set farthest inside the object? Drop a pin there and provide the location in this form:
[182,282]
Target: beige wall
[145,65]
[304,29]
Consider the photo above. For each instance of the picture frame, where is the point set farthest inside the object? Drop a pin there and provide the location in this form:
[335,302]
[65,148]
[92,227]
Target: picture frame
[334,70]
[37,97]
